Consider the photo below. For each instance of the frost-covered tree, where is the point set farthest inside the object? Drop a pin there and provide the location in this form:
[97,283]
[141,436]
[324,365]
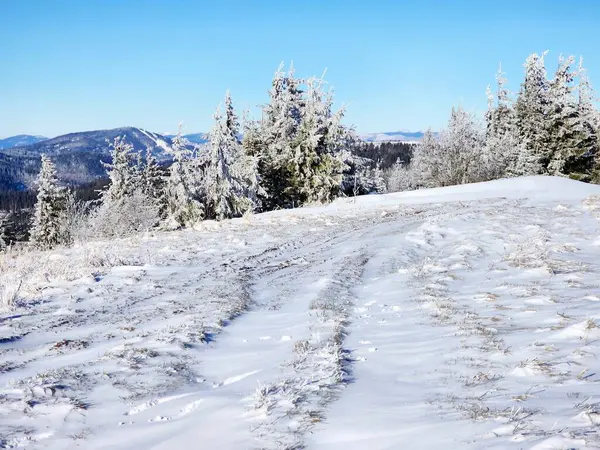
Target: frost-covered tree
[123,173]
[153,180]
[230,176]
[4,241]
[317,165]
[124,208]
[531,109]
[562,120]
[49,209]
[181,191]
[426,161]
[453,158]
[399,178]
[590,127]
[501,149]
[272,141]
[379,185]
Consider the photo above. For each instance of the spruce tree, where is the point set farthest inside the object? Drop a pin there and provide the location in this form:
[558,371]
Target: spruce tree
[562,120]
[531,109]
[501,148]
[122,172]
[317,165]
[589,160]
[4,241]
[280,125]
[50,208]
[152,181]
[229,178]
[181,190]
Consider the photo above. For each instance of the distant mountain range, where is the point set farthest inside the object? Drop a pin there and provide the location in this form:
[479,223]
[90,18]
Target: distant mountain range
[20,140]
[394,136]
[79,156]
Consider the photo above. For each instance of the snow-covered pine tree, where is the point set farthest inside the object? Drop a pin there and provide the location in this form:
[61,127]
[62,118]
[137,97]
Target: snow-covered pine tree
[501,149]
[4,242]
[562,119]
[399,178]
[153,181]
[425,162]
[453,158]
[463,144]
[229,182]
[49,209]
[590,127]
[317,165]
[379,185]
[531,109]
[122,172]
[124,207]
[181,190]
[279,128]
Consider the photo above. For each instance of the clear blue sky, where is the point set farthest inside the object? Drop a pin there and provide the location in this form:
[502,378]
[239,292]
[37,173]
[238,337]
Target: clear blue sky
[74,65]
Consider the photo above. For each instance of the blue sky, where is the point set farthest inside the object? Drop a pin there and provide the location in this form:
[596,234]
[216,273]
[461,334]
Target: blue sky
[80,65]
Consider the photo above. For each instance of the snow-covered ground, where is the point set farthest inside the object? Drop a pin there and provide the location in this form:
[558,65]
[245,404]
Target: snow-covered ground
[463,317]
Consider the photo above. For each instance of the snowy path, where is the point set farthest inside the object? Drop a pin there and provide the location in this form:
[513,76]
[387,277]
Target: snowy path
[467,318]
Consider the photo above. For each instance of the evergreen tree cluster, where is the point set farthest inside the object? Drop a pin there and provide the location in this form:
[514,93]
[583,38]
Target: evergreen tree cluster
[294,155]
[552,128]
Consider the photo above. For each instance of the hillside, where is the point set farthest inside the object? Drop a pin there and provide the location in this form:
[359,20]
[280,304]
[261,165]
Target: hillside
[461,317]
[20,140]
[78,156]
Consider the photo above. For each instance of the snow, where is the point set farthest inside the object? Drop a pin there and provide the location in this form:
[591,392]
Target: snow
[460,317]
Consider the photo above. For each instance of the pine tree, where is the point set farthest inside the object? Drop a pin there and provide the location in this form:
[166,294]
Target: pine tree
[317,165]
[181,191]
[152,181]
[463,143]
[453,158]
[500,154]
[379,185]
[562,120]
[123,174]
[426,162]
[589,161]
[531,110]
[49,209]
[280,126]
[229,182]
[4,241]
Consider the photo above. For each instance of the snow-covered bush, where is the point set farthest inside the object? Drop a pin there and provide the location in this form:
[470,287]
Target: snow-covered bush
[123,217]
[399,178]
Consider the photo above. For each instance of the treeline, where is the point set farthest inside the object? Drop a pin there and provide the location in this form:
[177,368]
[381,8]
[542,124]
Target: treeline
[551,128]
[297,154]
[386,154]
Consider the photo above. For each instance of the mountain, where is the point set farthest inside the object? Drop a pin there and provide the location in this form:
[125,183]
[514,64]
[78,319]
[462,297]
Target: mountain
[394,136]
[20,140]
[78,156]
[197,138]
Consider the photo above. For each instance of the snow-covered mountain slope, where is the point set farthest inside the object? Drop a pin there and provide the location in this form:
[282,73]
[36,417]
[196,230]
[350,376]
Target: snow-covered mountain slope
[394,136]
[20,140]
[78,156]
[463,317]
